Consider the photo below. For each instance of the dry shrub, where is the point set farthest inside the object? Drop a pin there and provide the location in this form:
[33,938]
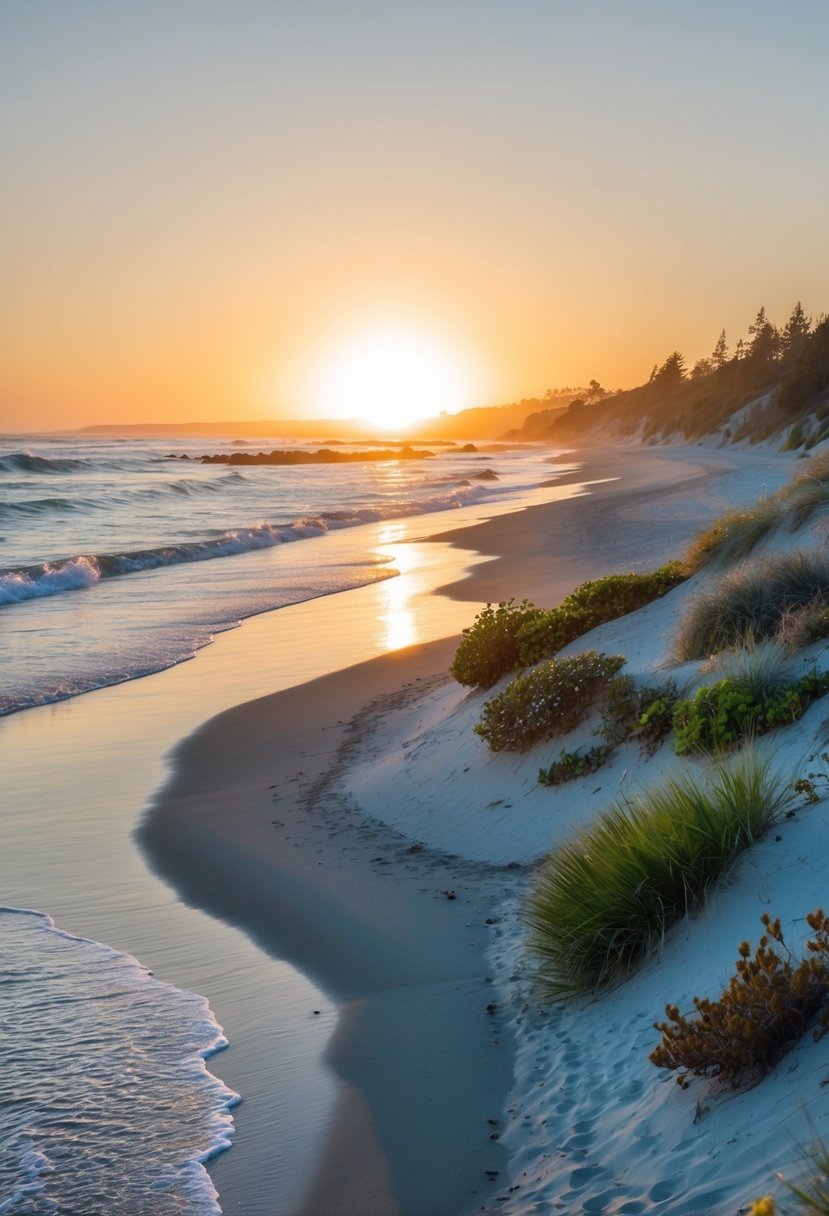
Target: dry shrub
[768,1005]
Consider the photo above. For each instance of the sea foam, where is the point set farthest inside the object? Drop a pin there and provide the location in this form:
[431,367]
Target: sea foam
[107,1104]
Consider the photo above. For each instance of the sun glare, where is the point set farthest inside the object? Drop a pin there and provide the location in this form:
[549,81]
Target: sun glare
[391,377]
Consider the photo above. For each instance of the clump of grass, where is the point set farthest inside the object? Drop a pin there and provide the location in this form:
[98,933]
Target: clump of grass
[489,649]
[804,624]
[606,898]
[550,700]
[592,604]
[750,603]
[769,1004]
[812,1189]
[735,534]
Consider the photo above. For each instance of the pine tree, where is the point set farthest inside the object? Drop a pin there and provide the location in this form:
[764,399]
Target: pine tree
[795,333]
[766,340]
[672,371]
[719,355]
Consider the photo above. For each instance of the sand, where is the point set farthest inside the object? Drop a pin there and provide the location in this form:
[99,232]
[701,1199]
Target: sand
[332,821]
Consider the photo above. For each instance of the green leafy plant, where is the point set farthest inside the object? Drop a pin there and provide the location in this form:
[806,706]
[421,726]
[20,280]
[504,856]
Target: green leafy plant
[593,603]
[656,704]
[489,649]
[641,713]
[550,700]
[750,603]
[767,1006]
[727,713]
[571,765]
[604,899]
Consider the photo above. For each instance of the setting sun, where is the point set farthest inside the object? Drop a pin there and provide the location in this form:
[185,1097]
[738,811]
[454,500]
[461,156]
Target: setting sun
[391,377]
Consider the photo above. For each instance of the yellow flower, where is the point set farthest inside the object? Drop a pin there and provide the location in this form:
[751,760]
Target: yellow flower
[763,1207]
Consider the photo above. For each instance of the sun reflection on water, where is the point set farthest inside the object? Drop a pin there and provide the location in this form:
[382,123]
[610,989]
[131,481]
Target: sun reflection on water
[397,618]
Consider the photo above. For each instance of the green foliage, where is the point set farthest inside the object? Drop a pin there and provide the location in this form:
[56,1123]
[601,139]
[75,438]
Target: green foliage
[768,1005]
[606,898]
[750,603]
[593,603]
[656,717]
[547,701]
[725,714]
[488,649]
[571,765]
[640,713]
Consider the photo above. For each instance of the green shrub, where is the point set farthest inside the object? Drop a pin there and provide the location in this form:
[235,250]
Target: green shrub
[488,649]
[593,603]
[757,693]
[549,700]
[750,603]
[640,713]
[572,765]
[656,704]
[768,1005]
[606,898]
[726,713]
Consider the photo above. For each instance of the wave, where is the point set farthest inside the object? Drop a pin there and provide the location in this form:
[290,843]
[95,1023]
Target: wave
[85,570]
[182,488]
[137,1112]
[27,462]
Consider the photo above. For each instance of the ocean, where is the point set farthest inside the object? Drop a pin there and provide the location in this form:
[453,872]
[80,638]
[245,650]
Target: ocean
[116,562]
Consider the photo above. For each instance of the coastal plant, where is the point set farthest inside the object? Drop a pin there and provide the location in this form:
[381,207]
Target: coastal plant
[804,624]
[644,714]
[733,536]
[815,785]
[656,704]
[549,700]
[620,709]
[488,648]
[593,603]
[768,1005]
[605,899]
[572,765]
[812,1188]
[727,713]
[750,603]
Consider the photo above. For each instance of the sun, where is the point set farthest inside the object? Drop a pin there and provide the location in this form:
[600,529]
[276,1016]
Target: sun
[391,377]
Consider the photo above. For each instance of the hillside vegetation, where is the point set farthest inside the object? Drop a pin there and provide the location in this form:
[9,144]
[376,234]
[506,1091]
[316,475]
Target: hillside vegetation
[773,385]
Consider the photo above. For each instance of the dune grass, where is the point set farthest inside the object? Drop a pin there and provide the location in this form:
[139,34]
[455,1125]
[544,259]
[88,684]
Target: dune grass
[605,899]
[732,537]
[750,604]
[736,534]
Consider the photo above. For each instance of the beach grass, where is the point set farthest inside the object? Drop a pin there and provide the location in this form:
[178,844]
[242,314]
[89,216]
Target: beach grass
[604,900]
[750,603]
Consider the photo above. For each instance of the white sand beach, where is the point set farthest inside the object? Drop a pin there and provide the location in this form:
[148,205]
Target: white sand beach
[345,855]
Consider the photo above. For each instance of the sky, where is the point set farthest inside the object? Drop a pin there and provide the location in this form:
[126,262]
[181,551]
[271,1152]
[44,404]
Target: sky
[209,207]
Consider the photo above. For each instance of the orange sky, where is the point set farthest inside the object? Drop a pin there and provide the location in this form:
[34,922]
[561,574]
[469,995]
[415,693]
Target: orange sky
[205,201]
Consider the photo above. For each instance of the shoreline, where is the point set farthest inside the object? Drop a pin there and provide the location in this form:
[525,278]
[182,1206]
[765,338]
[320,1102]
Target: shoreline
[218,803]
